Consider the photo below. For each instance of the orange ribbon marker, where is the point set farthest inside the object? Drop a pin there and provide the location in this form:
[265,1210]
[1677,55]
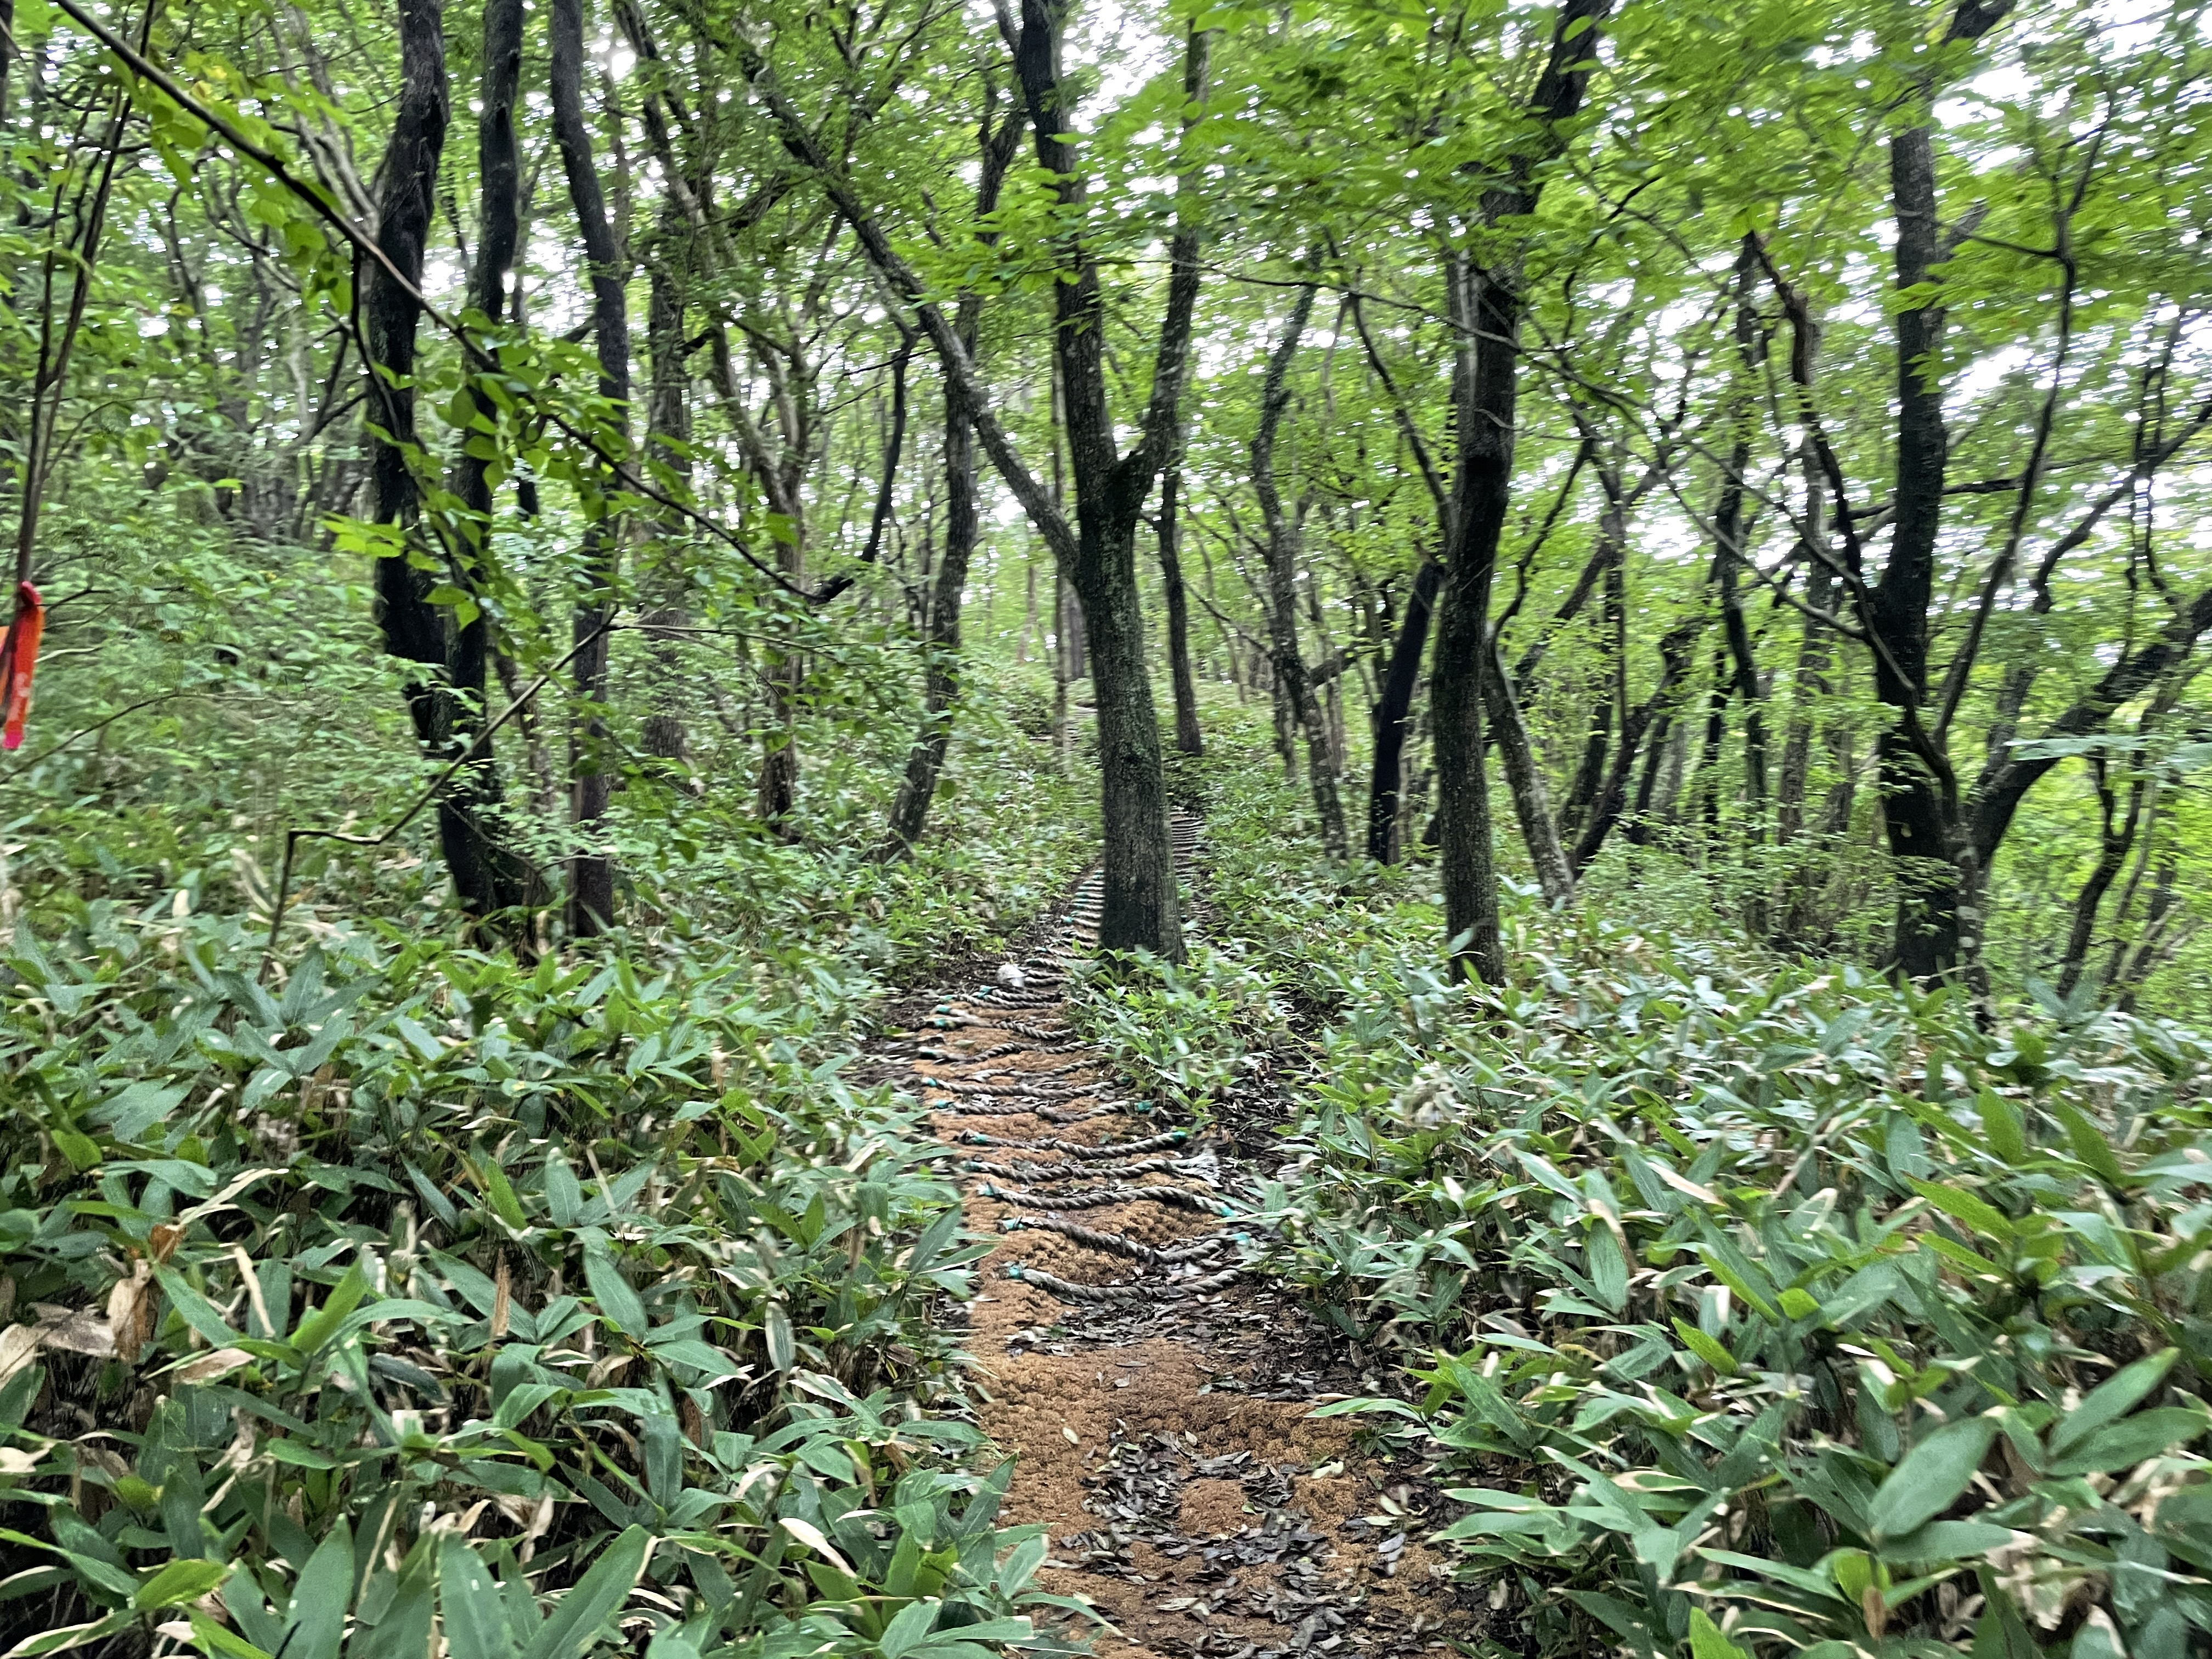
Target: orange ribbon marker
[19,658]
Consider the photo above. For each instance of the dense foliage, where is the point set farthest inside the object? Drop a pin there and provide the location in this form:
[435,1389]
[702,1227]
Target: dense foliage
[375,1276]
[581,546]
[1744,1305]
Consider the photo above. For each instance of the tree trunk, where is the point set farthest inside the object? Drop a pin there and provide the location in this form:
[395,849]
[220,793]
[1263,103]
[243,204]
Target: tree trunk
[1524,780]
[1394,714]
[591,868]
[1653,716]
[1811,690]
[1139,906]
[1294,689]
[1927,840]
[415,630]
[925,761]
[1481,493]
[1189,739]
[1589,771]
[668,433]
[2114,840]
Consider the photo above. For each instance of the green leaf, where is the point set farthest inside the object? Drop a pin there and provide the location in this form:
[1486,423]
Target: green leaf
[1706,1641]
[914,1621]
[1931,1477]
[596,1597]
[1979,1214]
[564,1196]
[2117,1395]
[2001,1126]
[316,1622]
[1948,1541]
[2089,1143]
[1608,1269]
[616,1300]
[216,1639]
[81,1150]
[2128,1442]
[699,1356]
[1798,1304]
[321,1325]
[775,1328]
[501,1192]
[1705,1348]
[181,1580]
[470,1605]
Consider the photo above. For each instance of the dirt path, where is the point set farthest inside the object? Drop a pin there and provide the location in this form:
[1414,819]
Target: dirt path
[1157,1398]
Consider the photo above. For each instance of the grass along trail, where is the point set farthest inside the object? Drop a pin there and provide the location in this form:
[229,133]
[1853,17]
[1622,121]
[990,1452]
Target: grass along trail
[1155,1394]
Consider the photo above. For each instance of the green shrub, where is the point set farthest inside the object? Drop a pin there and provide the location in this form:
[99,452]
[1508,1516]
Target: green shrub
[1746,1306]
[422,1280]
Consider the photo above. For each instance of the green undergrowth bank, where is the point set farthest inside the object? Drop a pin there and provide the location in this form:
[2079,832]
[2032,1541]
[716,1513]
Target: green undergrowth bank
[402,1292]
[1745,1306]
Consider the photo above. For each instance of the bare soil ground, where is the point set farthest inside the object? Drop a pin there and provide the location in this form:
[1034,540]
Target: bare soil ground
[1159,1411]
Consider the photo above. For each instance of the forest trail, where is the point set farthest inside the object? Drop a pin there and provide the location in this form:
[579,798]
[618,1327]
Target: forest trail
[1157,1399]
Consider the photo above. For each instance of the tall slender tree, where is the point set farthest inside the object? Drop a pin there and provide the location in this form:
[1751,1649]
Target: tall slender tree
[1486,304]
[591,867]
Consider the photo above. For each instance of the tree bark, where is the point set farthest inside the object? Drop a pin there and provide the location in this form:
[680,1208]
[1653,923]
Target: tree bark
[1811,690]
[591,869]
[668,435]
[925,761]
[1920,810]
[1393,712]
[478,791]
[416,631]
[1140,907]
[1296,691]
[2114,840]
[1914,808]
[1189,739]
[1524,781]
[1653,716]
[1481,493]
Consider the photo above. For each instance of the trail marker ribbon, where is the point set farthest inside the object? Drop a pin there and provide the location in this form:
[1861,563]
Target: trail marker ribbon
[19,659]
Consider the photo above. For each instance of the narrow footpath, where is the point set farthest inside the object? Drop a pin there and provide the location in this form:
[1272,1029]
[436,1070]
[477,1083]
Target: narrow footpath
[1155,1395]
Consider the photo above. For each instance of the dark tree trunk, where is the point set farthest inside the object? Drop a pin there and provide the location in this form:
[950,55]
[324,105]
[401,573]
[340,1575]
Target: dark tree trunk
[1294,688]
[2116,837]
[1589,770]
[1524,781]
[1812,691]
[1655,716]
[1189,739]
[668,433]
[1394,714]
[925,761]
[1927,838]
[591,869]
[1481,493]
[1140,907]
[478,791]
[416,631]
[1913,805]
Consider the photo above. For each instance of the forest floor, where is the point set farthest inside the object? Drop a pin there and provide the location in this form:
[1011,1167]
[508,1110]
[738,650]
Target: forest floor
[1155,1397]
